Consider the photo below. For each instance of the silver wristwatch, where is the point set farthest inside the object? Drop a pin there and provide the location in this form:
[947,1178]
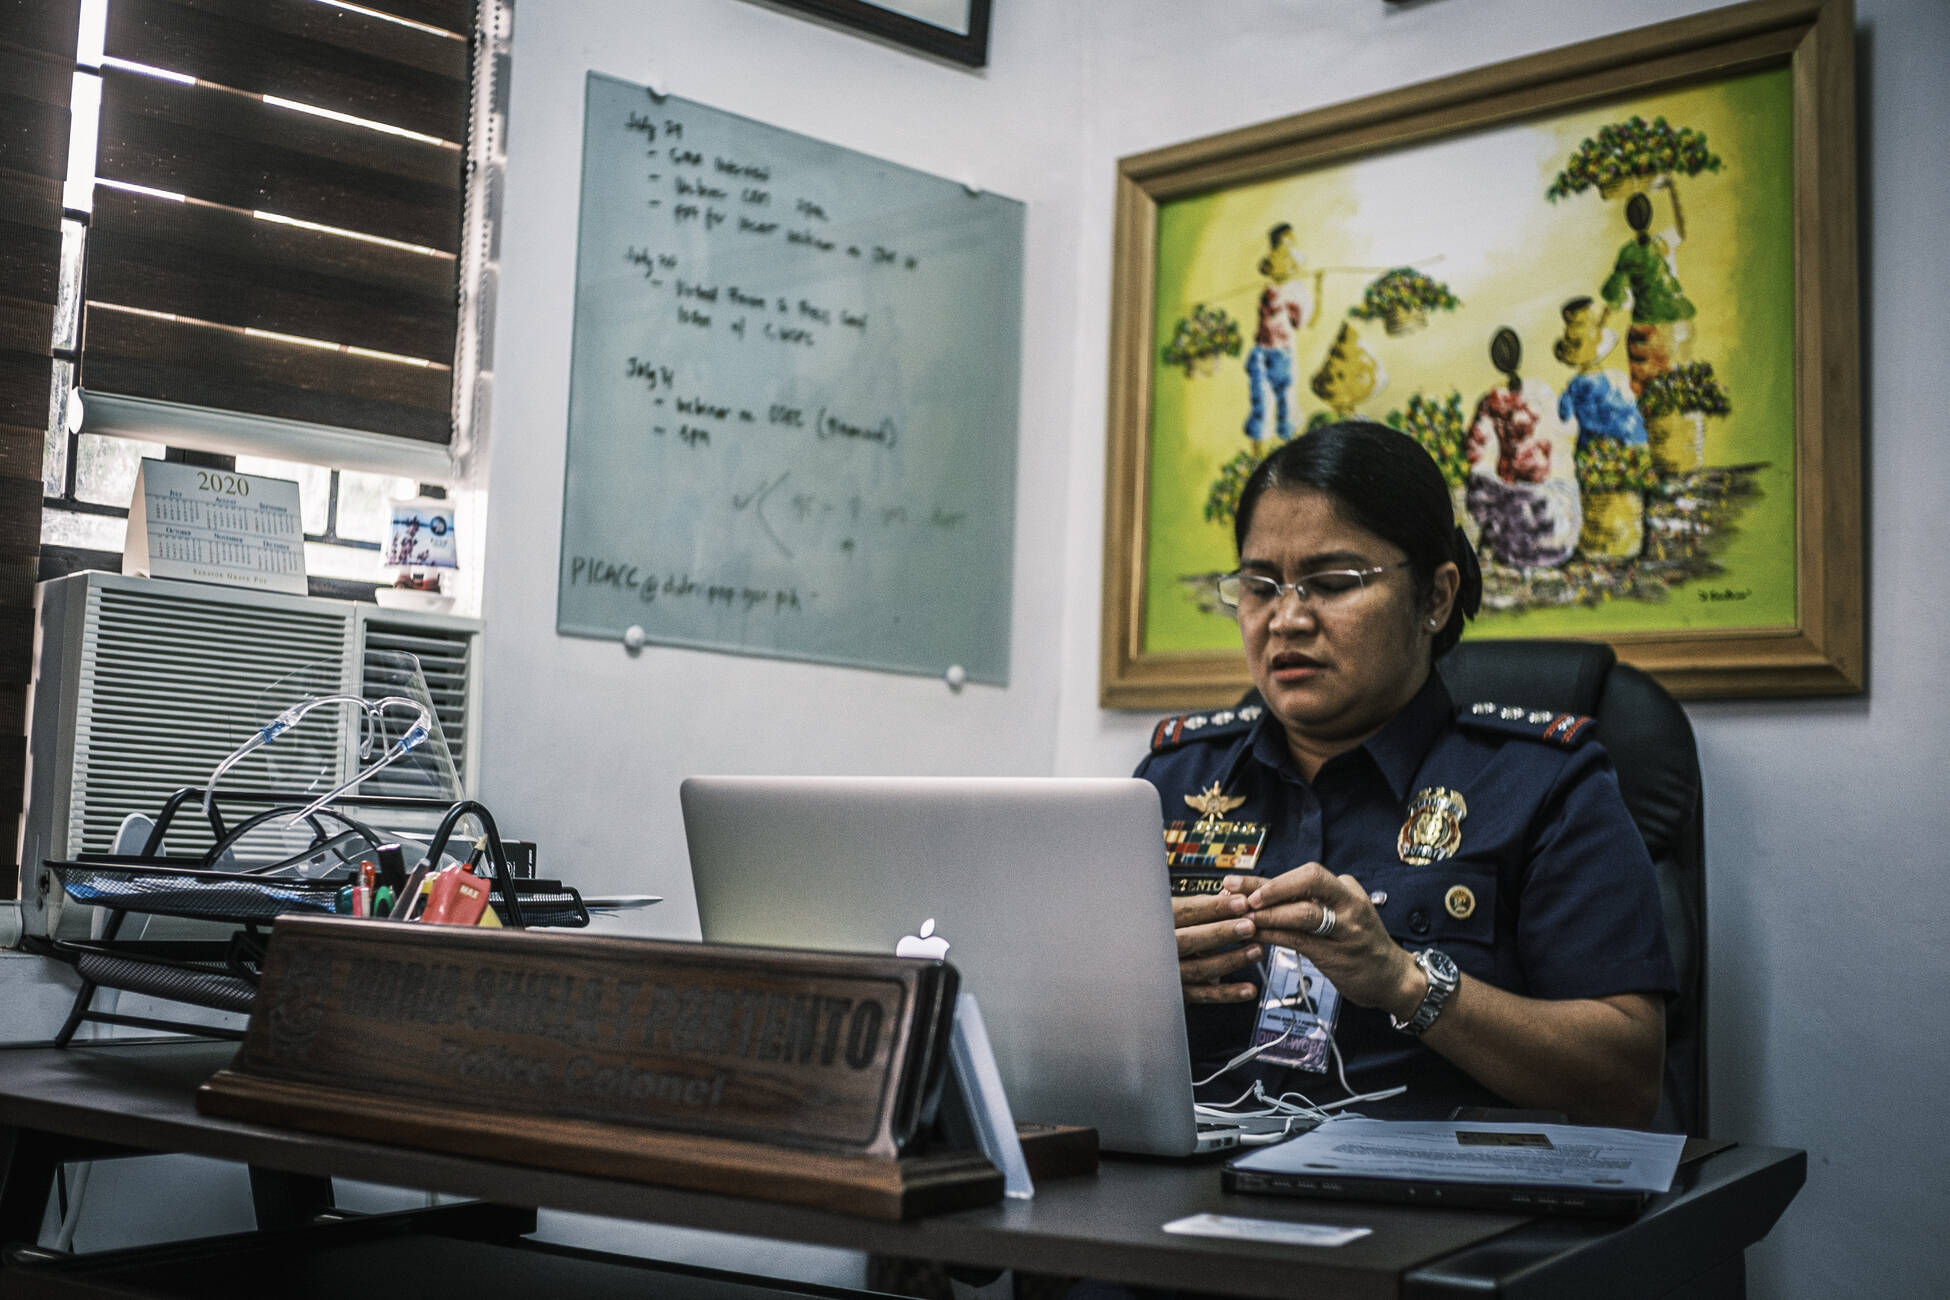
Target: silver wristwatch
[1443,978]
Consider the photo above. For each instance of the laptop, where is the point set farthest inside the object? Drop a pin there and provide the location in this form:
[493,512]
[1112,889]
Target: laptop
[1049,895]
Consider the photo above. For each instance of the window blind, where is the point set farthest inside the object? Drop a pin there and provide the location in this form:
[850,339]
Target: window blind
[279,208]
[37,43]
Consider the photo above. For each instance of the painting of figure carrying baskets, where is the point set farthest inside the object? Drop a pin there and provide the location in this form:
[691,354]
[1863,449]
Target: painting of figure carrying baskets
[1587,315]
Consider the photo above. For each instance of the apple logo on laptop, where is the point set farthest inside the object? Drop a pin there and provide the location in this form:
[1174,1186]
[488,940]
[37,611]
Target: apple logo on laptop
[925,944]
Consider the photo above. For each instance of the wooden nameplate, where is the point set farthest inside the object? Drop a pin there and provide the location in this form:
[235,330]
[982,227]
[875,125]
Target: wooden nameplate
[779,1074]
[1057,1150]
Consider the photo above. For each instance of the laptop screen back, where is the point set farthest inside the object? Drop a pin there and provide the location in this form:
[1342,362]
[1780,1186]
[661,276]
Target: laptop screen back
[1048,895]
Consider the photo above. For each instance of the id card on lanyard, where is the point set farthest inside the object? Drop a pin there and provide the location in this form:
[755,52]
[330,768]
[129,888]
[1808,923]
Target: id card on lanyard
[1299,1006]
[1298,1010]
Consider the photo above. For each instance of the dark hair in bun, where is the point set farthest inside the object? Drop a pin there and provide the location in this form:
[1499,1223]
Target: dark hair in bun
[1384,482]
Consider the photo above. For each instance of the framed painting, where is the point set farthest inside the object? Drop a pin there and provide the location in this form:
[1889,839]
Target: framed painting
[1611,288]
[953,29]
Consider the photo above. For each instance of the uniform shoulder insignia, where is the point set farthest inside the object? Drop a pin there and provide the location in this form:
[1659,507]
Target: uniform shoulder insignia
[1170,733]
[1562,729]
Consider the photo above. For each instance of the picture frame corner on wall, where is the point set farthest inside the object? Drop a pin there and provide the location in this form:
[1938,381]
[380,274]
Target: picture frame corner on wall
[1743,386]
[957,30]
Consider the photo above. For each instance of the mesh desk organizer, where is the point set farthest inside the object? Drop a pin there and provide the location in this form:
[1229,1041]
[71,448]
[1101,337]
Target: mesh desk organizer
[222,974]
[293,855]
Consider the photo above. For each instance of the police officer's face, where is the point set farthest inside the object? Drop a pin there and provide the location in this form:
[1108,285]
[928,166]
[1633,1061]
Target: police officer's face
[1334,669]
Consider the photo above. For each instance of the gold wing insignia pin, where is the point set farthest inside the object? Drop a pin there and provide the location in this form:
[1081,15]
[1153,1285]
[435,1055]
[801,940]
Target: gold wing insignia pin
[1213,803]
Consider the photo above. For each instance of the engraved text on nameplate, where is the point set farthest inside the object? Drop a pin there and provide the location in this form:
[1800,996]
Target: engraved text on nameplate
[797,1047]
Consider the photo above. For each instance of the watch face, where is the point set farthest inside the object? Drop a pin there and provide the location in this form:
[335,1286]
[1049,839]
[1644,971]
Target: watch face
[1443,977]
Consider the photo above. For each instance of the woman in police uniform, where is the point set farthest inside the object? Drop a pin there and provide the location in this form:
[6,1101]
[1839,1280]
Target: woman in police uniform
[1469,879]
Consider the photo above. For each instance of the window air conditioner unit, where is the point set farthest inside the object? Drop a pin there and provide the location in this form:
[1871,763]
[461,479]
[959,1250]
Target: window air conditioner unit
[141,687]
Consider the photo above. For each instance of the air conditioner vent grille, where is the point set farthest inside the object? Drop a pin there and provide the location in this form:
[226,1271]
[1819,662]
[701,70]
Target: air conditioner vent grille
[141,687]
[174,684]
[445,657]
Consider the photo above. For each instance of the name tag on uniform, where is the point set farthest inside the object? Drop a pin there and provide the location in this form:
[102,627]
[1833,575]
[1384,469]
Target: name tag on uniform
[1297,1011]
[1201,854]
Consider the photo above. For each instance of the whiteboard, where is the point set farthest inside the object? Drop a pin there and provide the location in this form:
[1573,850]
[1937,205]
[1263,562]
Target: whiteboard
[793,396]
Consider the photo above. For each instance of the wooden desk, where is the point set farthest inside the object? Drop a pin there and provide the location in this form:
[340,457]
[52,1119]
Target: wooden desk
[1688,1242]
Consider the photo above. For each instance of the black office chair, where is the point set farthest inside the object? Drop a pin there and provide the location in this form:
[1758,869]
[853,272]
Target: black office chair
[1651,744]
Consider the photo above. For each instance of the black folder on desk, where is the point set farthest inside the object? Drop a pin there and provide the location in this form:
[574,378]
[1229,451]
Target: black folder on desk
[1521,1168]
[1507,1197]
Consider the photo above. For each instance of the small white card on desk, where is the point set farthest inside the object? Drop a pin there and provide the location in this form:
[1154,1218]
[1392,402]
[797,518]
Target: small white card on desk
[1274,1230]
[208,525]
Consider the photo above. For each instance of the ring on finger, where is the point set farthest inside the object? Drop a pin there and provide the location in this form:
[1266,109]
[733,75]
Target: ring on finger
[1327,922]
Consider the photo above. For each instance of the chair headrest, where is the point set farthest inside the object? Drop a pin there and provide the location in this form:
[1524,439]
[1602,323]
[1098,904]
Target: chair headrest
[1647,734]
[1563,676]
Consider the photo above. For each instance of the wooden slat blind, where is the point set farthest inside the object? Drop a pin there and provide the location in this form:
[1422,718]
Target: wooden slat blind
[177,361]
[44,26]
[37,42]
[213,263]
[34,89]
[245,154]
[201,270]
[316,54]
[448,15]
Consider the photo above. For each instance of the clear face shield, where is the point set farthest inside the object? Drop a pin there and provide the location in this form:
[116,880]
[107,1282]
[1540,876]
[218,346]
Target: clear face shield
[382,739]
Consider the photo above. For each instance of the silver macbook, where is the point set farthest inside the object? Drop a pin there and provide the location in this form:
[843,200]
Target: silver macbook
[1049,896]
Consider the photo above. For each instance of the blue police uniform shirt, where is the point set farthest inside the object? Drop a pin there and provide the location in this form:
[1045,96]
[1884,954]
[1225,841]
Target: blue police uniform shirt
[1564,903]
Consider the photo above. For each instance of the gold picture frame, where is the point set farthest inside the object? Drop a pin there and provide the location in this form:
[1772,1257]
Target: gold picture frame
[1814,645]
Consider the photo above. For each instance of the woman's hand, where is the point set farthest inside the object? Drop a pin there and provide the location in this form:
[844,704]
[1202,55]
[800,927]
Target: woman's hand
[1215,942]
[1365,964]
[1597,1059]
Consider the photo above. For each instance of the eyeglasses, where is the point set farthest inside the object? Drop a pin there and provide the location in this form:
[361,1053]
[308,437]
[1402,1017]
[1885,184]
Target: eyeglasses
[1328,587]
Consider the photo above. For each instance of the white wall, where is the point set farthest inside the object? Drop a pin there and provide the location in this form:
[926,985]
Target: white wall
[1826,862]
[1826,830]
